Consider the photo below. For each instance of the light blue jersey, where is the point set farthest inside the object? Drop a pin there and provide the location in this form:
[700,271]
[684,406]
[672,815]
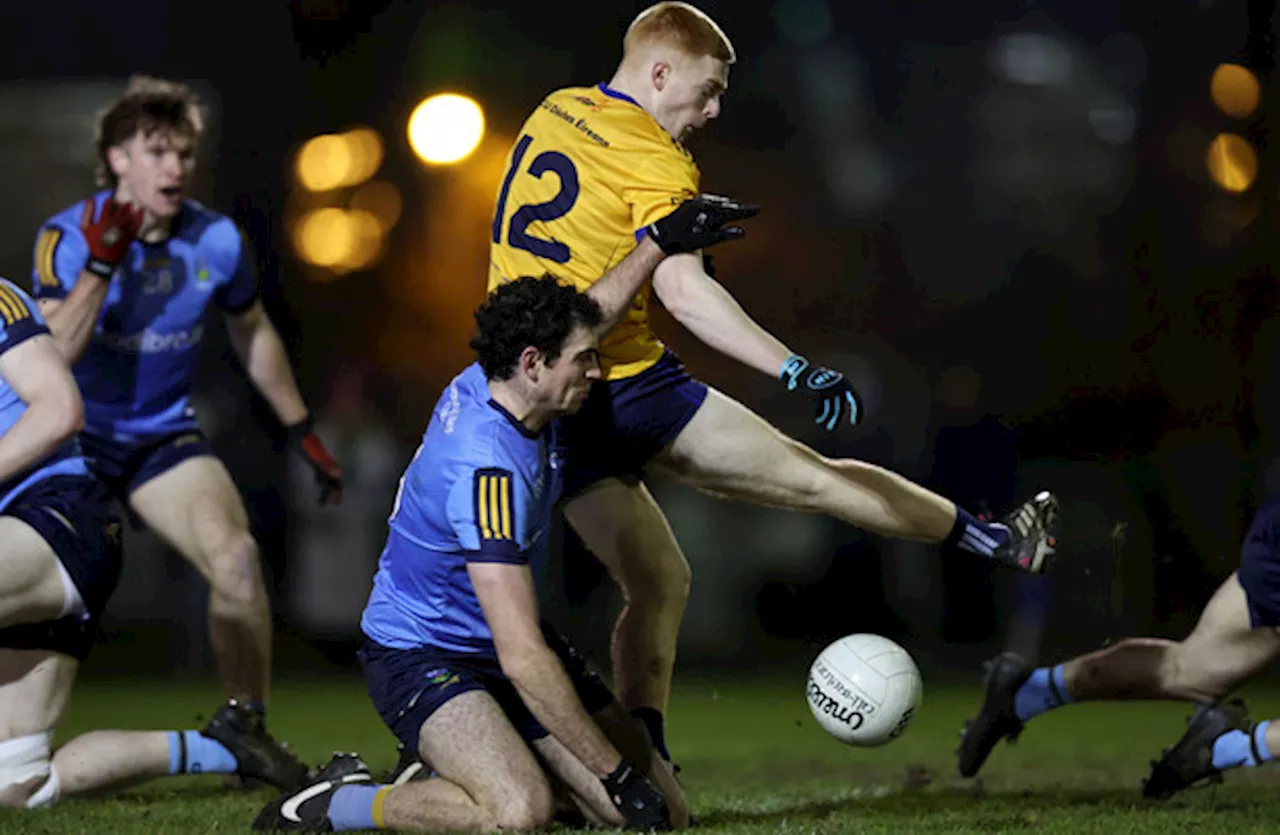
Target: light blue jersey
[481,488]
[20,320]
[137,373]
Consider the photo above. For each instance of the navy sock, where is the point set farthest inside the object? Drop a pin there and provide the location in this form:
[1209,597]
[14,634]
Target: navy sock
[1044,691]
[971,534]
[357,807]
[190,752]
[1237,748]
[652,720]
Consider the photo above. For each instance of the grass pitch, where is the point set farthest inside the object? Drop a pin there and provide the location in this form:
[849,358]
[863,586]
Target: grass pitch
[754,762]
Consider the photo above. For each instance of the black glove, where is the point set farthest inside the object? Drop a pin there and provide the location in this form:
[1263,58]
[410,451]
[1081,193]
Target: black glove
[328,474]
[830,391]
[700,222]
[639,802]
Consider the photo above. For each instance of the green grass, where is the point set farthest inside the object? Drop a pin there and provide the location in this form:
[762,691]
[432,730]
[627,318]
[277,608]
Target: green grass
[754,762]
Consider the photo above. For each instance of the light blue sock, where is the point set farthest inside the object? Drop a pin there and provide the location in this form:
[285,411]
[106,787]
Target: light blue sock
[352,807]
[190,752]
[1235,748]
[1044,691]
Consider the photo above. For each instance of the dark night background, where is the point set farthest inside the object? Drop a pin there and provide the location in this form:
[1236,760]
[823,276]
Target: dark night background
[995,216]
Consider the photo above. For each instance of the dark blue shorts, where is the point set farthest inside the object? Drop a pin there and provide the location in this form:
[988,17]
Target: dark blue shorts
[76,517]
[624,423]
[1259,572]
[124,467]
[408,685]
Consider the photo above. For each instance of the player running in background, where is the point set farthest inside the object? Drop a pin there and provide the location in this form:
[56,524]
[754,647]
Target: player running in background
[59,562]
[458,661]
[124,280]
[593,166]
[1235,639]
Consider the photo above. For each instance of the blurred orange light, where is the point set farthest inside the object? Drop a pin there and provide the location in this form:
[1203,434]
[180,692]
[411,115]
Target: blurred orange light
[366,154]
[325,237]
[366,240]
[1235,90]
[1232,162]
[445,128]
[334,160]
[339,240]
[323,163]
[380,199]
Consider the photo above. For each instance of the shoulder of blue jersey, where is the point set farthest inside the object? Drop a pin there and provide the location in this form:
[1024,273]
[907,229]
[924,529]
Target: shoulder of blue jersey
[67,220]
[216,235]
[471,431]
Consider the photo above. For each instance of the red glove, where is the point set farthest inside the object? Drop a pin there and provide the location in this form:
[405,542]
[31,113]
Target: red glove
[327,472]
[110,235]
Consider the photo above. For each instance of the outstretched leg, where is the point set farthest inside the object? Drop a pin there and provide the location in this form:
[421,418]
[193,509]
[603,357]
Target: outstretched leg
[729,450]
[1222,651]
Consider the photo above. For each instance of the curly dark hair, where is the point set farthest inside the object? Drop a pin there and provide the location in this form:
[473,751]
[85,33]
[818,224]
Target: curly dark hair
[147,104]
[538,312]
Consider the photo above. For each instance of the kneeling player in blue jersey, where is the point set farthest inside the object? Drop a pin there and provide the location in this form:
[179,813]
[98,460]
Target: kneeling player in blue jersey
[458,662]
[124,280]
[59,562]
[1238,636]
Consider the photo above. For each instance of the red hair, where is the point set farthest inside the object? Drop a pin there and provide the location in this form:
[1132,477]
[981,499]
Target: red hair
[681,26]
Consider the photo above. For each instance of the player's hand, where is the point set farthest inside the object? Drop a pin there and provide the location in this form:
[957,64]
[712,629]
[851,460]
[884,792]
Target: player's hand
[700,222]
[303,438]
[830,391]
[109,235]
[639,802]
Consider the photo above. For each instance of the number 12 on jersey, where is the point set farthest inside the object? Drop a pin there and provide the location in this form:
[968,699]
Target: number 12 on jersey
[558,206]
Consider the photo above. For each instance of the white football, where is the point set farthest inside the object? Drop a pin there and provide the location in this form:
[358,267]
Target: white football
[864,690]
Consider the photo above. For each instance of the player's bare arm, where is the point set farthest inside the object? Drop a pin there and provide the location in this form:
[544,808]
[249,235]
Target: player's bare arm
[706,308]
[507,597]
[257,342]
[696,223]
[72,320]
[108,231]
[38,374]
[262,352]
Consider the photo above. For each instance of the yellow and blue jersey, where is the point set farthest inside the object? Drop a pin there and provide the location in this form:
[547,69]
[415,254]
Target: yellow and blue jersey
[20,320]
[137,373]
[480,488]
[589,172]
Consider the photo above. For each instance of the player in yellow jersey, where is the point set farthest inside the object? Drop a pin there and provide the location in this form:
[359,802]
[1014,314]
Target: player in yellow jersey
[593,165]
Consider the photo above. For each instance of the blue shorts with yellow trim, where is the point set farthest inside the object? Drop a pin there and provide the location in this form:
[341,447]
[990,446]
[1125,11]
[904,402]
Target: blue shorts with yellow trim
[625,423]
[408,685]
[75,516]
[124,467]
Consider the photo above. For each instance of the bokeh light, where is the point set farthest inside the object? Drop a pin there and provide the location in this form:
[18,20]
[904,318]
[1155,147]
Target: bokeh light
[339,239]
[366,154]
[335,160]
[445,128]
[1232,162]
[1235,90]
[380,199]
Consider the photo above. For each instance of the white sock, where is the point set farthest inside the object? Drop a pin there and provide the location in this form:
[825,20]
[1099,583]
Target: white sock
[47,794]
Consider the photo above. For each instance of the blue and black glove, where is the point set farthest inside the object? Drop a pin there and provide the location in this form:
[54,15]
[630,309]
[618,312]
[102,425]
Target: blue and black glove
[833,396]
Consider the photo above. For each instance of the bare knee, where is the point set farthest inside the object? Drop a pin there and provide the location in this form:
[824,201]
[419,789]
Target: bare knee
[525,807]
[1188,675]
[657,577]
[234,572]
